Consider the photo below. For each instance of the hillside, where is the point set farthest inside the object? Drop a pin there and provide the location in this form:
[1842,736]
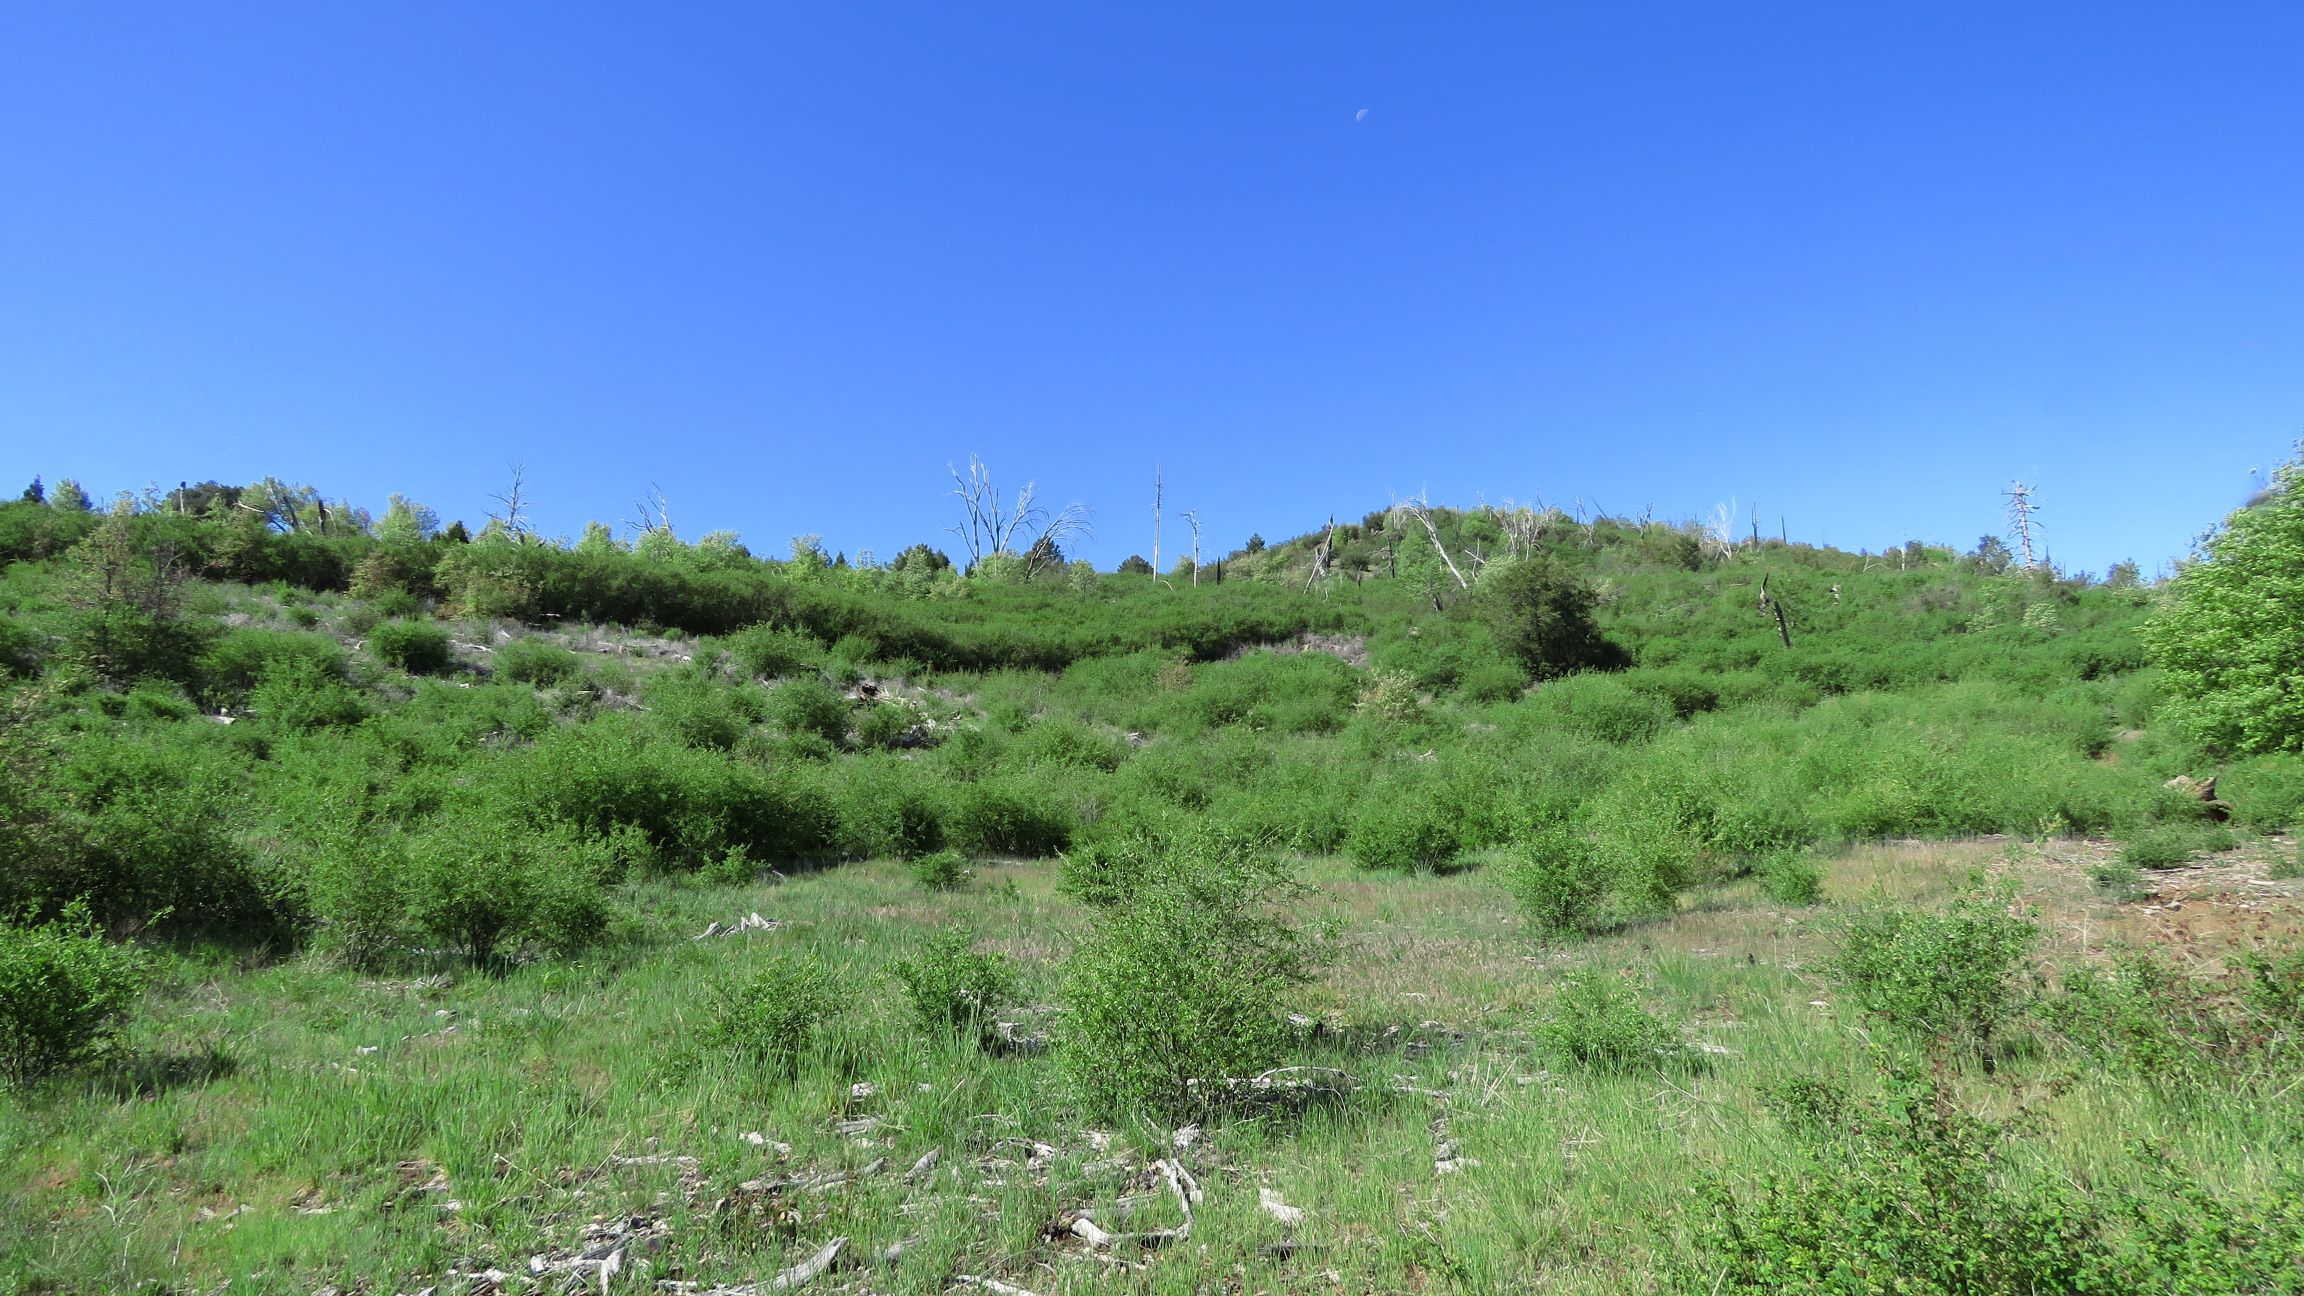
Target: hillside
[1479,887]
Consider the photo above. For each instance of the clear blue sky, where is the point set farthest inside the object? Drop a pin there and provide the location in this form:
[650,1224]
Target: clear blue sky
[1863,264]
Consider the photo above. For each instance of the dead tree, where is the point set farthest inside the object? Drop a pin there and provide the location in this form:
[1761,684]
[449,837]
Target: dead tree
[990,525]
[515,501]
[1192,519]
[2020,511]
[1320,554]
[651,512]
[1418,510]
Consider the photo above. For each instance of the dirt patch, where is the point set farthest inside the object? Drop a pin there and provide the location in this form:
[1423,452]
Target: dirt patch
[1352,650]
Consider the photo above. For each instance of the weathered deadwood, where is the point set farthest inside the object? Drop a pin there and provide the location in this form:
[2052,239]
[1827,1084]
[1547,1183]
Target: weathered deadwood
[842,1178]
[991,1285]
[925,1166]
[801,1274]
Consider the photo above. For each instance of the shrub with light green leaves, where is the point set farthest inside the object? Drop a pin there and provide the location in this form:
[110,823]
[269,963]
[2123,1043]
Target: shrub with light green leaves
[1955,976]
[1180,986]
[1562,882]
[956,989]
[490,889]
[1402,829]
[773,1017]
[66,994]
[1595,1019]
[417,647]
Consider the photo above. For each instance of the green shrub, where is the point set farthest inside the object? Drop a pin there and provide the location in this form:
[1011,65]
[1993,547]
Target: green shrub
[298,693]
[358,885]
[1595,1019]
[1792,877]
[809,706]
[944,870]
[238,660]
[889,807]
[699,710]
[2229,637]
[769,653]
[955,989]
[773,1017]
[1601,707]
[66,994]
[534,661]
[1107,869]
[2266,793]
[1903,1196]
[1561,882]
[885,726]
[418,647]
[488,888]
[2168,845]
[1401,829]
[1540,613]
[21,649]
[1954,976]
[1182,983]
[1005,816]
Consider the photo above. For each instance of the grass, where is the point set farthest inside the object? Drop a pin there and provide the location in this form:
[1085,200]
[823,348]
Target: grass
[296,1126]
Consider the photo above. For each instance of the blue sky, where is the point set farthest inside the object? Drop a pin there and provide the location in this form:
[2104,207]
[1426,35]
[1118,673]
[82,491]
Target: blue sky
[1860,264]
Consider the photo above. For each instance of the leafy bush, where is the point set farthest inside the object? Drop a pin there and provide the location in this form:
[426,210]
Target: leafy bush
[298,693]
[1904,1196]
[66,994]
[1107,869]
[358,886]
[955,989]
[1955,976]
[944,870]
[810,706]
[2168,845]
[1792,877]
[1601,707]
[1595,1019]
[772,1018]
[2148,1017]
[1005,816]
[1561,882]
[1540,613]
[485,888]
[534,661]
[239,660]
[699,710]
[1182,982]
[2229,639]
[769,653]
[418,647]
[1403,830]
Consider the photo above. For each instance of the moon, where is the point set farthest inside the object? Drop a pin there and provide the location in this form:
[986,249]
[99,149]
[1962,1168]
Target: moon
[1360,116]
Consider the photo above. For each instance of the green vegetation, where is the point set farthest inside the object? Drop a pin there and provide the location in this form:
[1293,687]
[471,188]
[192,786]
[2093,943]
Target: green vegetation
[1524,895]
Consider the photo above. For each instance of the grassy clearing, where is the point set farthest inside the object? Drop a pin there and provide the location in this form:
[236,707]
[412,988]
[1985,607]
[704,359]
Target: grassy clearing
[292,1127]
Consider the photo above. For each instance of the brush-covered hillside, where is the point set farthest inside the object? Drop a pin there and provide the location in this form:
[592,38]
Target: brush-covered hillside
[1366,838]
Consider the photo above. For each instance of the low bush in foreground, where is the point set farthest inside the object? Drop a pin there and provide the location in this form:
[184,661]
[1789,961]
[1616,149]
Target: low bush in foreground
[66,994]
[773,1017]
[1179,988]
[1954,976]
[1595,1019]
[956,989]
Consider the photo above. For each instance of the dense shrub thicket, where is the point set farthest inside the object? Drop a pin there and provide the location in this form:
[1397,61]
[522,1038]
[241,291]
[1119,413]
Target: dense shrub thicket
[291,752]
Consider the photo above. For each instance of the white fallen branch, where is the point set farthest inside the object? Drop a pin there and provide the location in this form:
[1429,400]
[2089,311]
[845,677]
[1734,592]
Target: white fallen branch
[991,1285]
[1278,1208]
[925,1166]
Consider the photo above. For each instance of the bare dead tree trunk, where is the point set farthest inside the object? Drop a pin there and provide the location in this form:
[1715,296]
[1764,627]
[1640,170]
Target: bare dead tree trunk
[1417,510]
[1192,518]
[516,505]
